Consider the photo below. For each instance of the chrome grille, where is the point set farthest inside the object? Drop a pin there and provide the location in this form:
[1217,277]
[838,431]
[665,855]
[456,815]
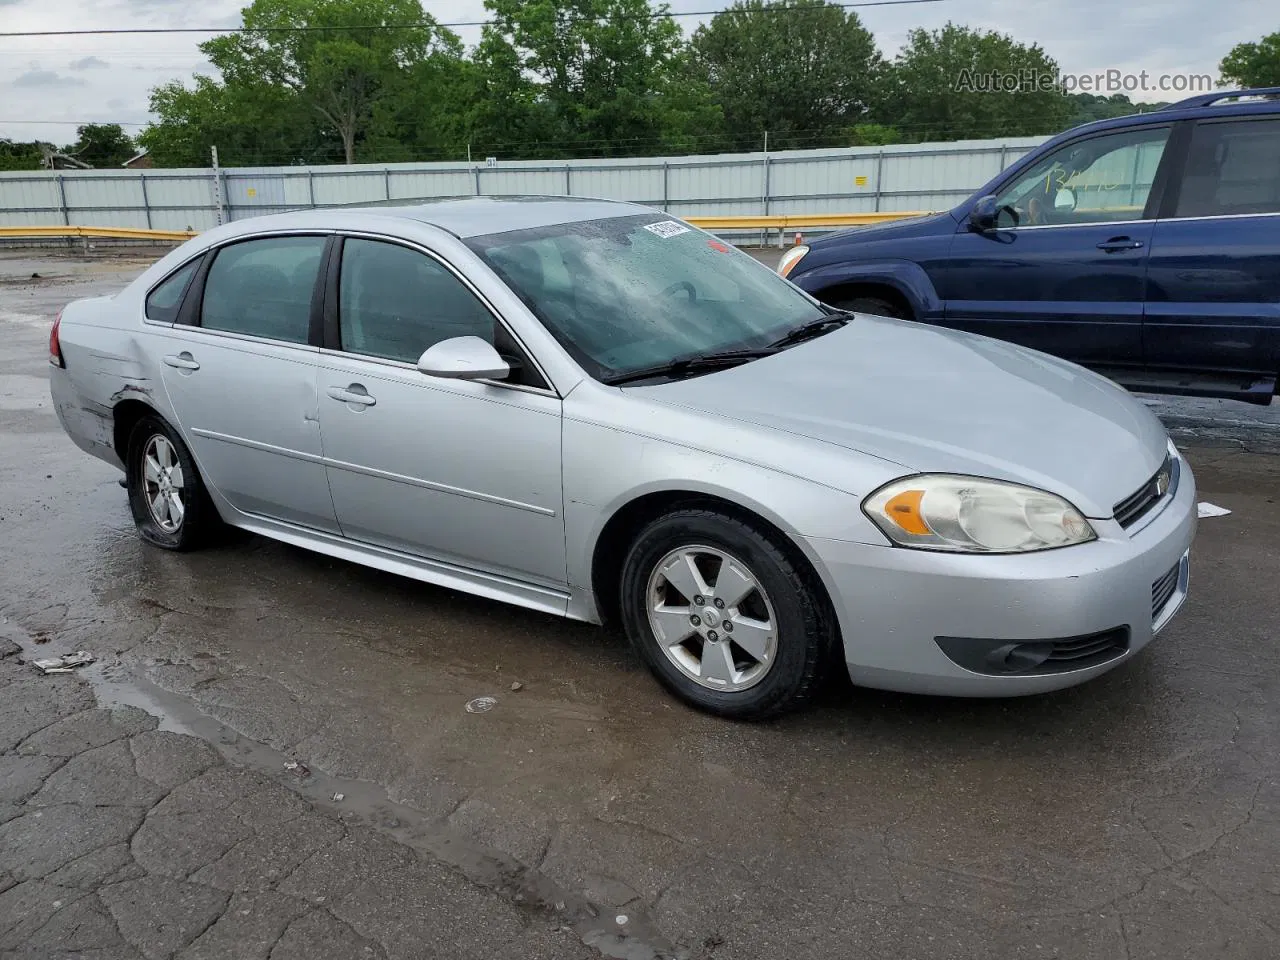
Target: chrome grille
[1135,506]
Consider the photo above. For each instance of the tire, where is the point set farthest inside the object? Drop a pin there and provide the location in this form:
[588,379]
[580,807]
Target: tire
[152,438]
[872,305]
[744,675]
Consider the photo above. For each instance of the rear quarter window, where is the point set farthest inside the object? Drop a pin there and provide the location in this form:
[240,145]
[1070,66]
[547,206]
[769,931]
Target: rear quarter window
[164,300]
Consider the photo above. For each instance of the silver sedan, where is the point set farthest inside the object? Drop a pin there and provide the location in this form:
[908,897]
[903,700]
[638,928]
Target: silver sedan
[596,410]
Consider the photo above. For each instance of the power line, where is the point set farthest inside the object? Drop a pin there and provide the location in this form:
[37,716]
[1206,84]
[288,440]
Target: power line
[115,31]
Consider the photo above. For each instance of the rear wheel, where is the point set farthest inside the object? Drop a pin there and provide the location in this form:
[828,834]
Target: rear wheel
[873,305]
[166,496]
[723,617]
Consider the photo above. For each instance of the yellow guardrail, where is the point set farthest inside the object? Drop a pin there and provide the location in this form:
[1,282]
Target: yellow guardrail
[105,233]
[788,221]
[791,220]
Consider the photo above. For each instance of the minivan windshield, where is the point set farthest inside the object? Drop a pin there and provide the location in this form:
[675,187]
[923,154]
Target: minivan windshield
[628,293]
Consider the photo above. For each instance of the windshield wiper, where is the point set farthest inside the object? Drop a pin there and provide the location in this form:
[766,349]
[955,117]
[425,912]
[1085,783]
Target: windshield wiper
[814,328]
[687,366]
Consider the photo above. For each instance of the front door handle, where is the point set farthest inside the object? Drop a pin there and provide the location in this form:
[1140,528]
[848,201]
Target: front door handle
[352,394]
[1116,244]
[183,361]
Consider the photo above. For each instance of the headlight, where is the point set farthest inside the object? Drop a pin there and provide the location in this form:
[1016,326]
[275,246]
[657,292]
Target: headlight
[971,515]
[791,258]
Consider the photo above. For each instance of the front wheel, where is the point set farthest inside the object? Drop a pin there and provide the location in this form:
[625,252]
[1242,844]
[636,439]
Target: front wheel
[723,616]
[166,496]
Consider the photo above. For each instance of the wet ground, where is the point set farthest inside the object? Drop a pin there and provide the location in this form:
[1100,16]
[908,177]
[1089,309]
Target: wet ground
[1135,817]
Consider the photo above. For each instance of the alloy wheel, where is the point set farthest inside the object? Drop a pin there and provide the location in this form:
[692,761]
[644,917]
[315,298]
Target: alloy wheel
[712,618]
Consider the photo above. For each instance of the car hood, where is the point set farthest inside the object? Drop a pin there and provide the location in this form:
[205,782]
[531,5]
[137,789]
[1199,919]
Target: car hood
[935,400]
[890,229]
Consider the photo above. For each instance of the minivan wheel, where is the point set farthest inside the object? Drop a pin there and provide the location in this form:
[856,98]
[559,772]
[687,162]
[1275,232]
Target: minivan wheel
[722,616]
[872,305]
[166,496]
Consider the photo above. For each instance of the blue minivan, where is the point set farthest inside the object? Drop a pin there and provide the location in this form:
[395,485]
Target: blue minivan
[1145,247]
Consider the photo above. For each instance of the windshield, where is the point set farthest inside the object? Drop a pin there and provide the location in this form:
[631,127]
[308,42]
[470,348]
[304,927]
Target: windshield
[629,293]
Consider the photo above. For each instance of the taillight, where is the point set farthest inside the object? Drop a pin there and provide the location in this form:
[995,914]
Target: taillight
[55,348]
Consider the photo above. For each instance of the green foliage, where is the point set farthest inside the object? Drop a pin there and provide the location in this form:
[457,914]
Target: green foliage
[19,156]
[1089,107]
[804,70]
[600,77]
[564,78]
[929,99]
[102,145]
[1253,64]
[873,135]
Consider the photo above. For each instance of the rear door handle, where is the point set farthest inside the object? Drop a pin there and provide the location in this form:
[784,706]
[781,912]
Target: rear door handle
[353,394]
[1116,244]
[183,361]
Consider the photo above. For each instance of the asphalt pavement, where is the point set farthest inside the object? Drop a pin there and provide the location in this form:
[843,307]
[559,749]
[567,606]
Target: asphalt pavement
[271,757]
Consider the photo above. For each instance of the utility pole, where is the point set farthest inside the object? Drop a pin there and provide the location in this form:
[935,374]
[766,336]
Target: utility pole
[764,193]
[217,186]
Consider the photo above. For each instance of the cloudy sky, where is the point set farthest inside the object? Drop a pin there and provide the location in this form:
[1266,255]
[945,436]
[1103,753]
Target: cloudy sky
[49,84]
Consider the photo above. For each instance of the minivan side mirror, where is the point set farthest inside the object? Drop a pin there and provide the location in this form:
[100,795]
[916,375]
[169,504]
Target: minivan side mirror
[985,214]
[463,358]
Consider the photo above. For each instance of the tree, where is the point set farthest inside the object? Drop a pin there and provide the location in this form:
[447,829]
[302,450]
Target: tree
[957,84]
[803,70]
[597,76]
[338,73]
[1089,107]
[255,125]
[1253,64]
[102,145]
[20,156]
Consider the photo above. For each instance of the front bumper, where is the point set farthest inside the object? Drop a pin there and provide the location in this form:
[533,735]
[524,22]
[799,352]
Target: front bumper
[892,602]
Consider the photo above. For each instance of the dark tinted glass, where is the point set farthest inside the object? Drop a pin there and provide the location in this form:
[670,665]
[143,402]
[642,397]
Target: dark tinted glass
[164,300]
[395,302]
[1232,168]
[263,288]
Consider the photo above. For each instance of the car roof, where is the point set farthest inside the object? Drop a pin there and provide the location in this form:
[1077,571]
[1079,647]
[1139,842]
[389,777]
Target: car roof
[1224,103]
[465,217]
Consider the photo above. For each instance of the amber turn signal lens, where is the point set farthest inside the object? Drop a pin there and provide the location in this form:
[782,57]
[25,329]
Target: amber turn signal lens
[904,510]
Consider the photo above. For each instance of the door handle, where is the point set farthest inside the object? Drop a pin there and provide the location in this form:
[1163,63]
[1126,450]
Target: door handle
[352,394]
[1116,244]
[183,361]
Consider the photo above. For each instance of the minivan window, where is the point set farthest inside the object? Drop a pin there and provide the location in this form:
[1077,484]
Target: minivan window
[163,302]
[1099,180]
[263,288]
[1233,168]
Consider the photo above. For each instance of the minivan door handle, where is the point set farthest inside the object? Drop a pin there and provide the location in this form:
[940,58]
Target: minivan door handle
[1116,244]
[182,361]
[352,394]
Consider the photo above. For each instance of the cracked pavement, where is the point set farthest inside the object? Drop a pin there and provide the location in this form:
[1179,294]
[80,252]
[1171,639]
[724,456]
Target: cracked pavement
[145,810]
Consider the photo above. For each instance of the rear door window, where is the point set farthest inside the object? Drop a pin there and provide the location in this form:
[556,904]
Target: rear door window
[263,288]
[1233,169]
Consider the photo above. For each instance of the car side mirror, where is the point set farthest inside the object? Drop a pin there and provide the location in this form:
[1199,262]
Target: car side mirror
[983,216]
[463,358]
[1064,201]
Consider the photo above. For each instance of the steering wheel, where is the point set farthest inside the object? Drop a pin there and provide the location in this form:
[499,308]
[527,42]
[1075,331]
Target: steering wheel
[681,285]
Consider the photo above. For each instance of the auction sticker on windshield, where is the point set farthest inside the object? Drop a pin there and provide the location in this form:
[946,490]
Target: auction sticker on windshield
[666,228]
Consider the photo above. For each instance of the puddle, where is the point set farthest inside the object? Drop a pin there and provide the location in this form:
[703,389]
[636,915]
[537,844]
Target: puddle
[629,936]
